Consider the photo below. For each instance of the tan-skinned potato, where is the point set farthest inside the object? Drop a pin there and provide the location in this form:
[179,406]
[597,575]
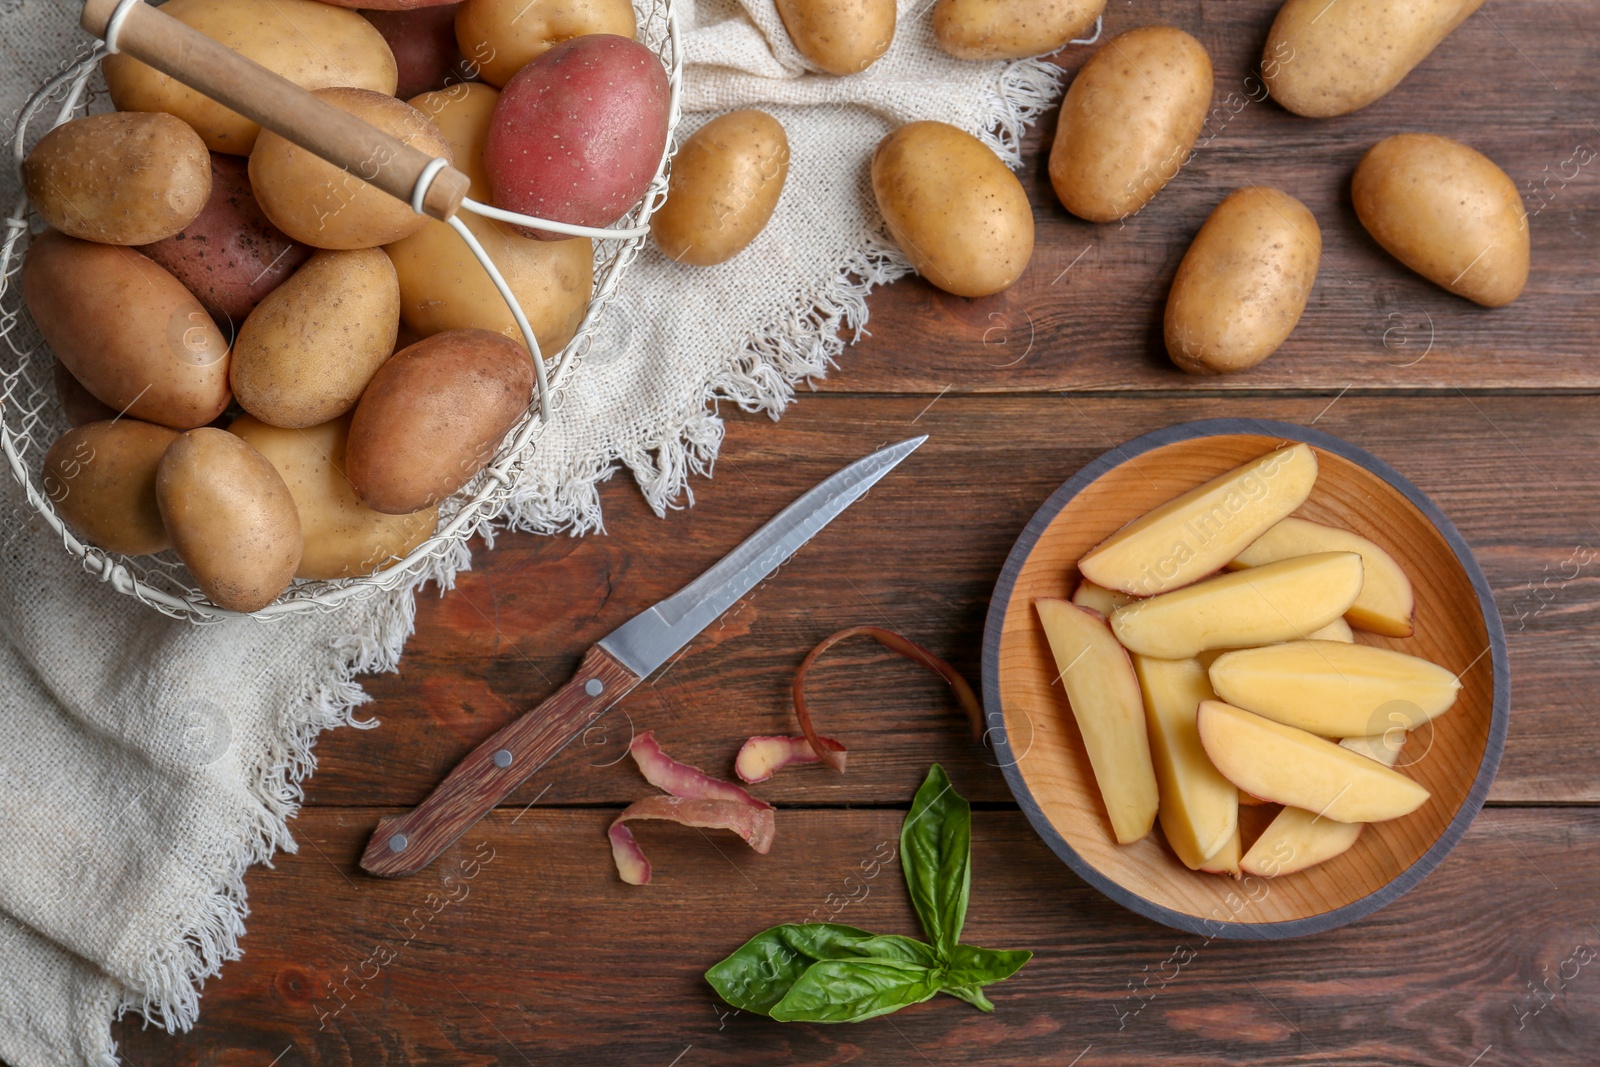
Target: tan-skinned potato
[953,207]
[1244,282]
[348,301]
[1129,121]
[1325,59]
[442,287]
[1447,212]
[1011,29]
[500,37]
[324,206]
[343,539]
[231,518]
[123,178]
[840,36]
[312,44]
[726,180]
[101,477]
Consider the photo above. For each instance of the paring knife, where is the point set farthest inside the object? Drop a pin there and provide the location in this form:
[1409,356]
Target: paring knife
[610,669]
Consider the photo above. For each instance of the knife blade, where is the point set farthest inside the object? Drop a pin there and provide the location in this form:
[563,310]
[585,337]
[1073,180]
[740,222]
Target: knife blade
[611,668]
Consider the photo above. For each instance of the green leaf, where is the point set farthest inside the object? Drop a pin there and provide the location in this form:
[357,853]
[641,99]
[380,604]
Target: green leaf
[765,968]
[936,855]
[970,966]
[848,991]
[971,994]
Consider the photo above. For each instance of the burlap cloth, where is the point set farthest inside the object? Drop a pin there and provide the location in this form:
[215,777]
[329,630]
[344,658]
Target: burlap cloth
[145,764]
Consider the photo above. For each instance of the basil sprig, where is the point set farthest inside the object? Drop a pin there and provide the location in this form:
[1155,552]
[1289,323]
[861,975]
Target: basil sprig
[829,973]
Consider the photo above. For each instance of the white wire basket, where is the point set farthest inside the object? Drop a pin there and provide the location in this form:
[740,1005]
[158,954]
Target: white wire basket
[31,417]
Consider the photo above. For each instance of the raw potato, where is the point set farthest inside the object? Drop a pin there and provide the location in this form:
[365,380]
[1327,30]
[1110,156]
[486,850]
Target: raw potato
[442,287]
[1386,604]
[1334,689]
[232,520]
[101,477]
[500,37]
[78,403]
[725,184]
[1244,282]
[1281,601]
[126,329]
[1098,598]
[119,178]
[433,416]
[1199,807]
[1226,860]
[1338,629]
[1129,122]
[1301,770]
[1104,694]
[343,539]
[954,209]
[1011,29]
[1197,533]
[423,40]
[1327,59]
[840,36]
[343,304]
[314,201]
[309,43]
[1448,213]
[231,255]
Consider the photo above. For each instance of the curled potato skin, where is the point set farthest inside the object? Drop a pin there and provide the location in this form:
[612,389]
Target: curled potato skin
[1006,29]
[1447,212]
[123,178]
[726,181]
[101,477]
[1244,282]
[840,36]
[1129,121]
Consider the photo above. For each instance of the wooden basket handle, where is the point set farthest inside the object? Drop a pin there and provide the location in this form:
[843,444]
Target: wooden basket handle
[184,53]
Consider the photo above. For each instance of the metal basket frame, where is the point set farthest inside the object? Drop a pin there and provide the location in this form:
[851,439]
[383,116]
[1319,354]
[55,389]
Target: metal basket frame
[27,400]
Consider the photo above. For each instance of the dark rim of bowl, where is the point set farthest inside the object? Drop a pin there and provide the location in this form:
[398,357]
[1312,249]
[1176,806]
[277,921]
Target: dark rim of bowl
[1216,928]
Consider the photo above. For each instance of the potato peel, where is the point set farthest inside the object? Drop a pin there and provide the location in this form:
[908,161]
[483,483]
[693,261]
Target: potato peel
[682,780]
[760,757]
[756,825]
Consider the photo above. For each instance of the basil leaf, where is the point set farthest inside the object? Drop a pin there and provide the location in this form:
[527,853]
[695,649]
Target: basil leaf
[765,968]
[970,966]
[848,991]
[936,855]
[971,994]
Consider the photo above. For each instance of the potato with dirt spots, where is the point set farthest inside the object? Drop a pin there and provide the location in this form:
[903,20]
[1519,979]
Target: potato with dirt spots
[1244,282]
[1011,29]
[840,36]
[726,180]
[101,477]
[953,207]
[500,37]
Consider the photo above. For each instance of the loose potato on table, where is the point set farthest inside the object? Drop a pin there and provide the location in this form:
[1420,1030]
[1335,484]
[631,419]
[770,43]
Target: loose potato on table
[500,37]
[123,178]
[1326,59]
[127,329]
[1448,213]
[314,201]
[953,207]
[1011,29]
[306,353]
[423,40]
[231,518]
[1244,282]
[433,416]
[310,43]
[1129,121]
[343,538]
[726,180]
[578,135]
[231,255]
[101,477]
[840,36]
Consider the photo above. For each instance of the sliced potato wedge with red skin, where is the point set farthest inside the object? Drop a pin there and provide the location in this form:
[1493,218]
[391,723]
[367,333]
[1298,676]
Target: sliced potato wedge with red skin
[1386,605]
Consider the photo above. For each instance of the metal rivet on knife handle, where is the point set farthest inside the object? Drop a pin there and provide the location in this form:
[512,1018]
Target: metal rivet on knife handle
[502,759]
[594,687]
[398,843]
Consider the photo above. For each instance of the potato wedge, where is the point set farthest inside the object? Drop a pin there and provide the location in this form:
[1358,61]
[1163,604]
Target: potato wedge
[1226,860]
[1281,601]
[1099,598]
[1301,770]
[1199,809]
[1386,604]
[1337,630]
[1104,694]
[1197,533]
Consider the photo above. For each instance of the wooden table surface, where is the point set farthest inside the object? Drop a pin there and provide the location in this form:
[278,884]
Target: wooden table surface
[547,958]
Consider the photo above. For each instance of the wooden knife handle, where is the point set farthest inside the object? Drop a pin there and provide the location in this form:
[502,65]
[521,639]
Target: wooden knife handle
[182,52]
[495,768]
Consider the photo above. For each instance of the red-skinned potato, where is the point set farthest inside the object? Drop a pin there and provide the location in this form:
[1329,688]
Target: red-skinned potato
[577,136]
[231,255]
[432,417]
[423,40]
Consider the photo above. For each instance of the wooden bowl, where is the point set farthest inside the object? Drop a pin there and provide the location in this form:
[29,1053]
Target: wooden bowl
[1042,753]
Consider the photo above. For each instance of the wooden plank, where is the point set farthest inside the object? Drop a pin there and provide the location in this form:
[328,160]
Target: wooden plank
[540,955]
[1087,314]
[921,553]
